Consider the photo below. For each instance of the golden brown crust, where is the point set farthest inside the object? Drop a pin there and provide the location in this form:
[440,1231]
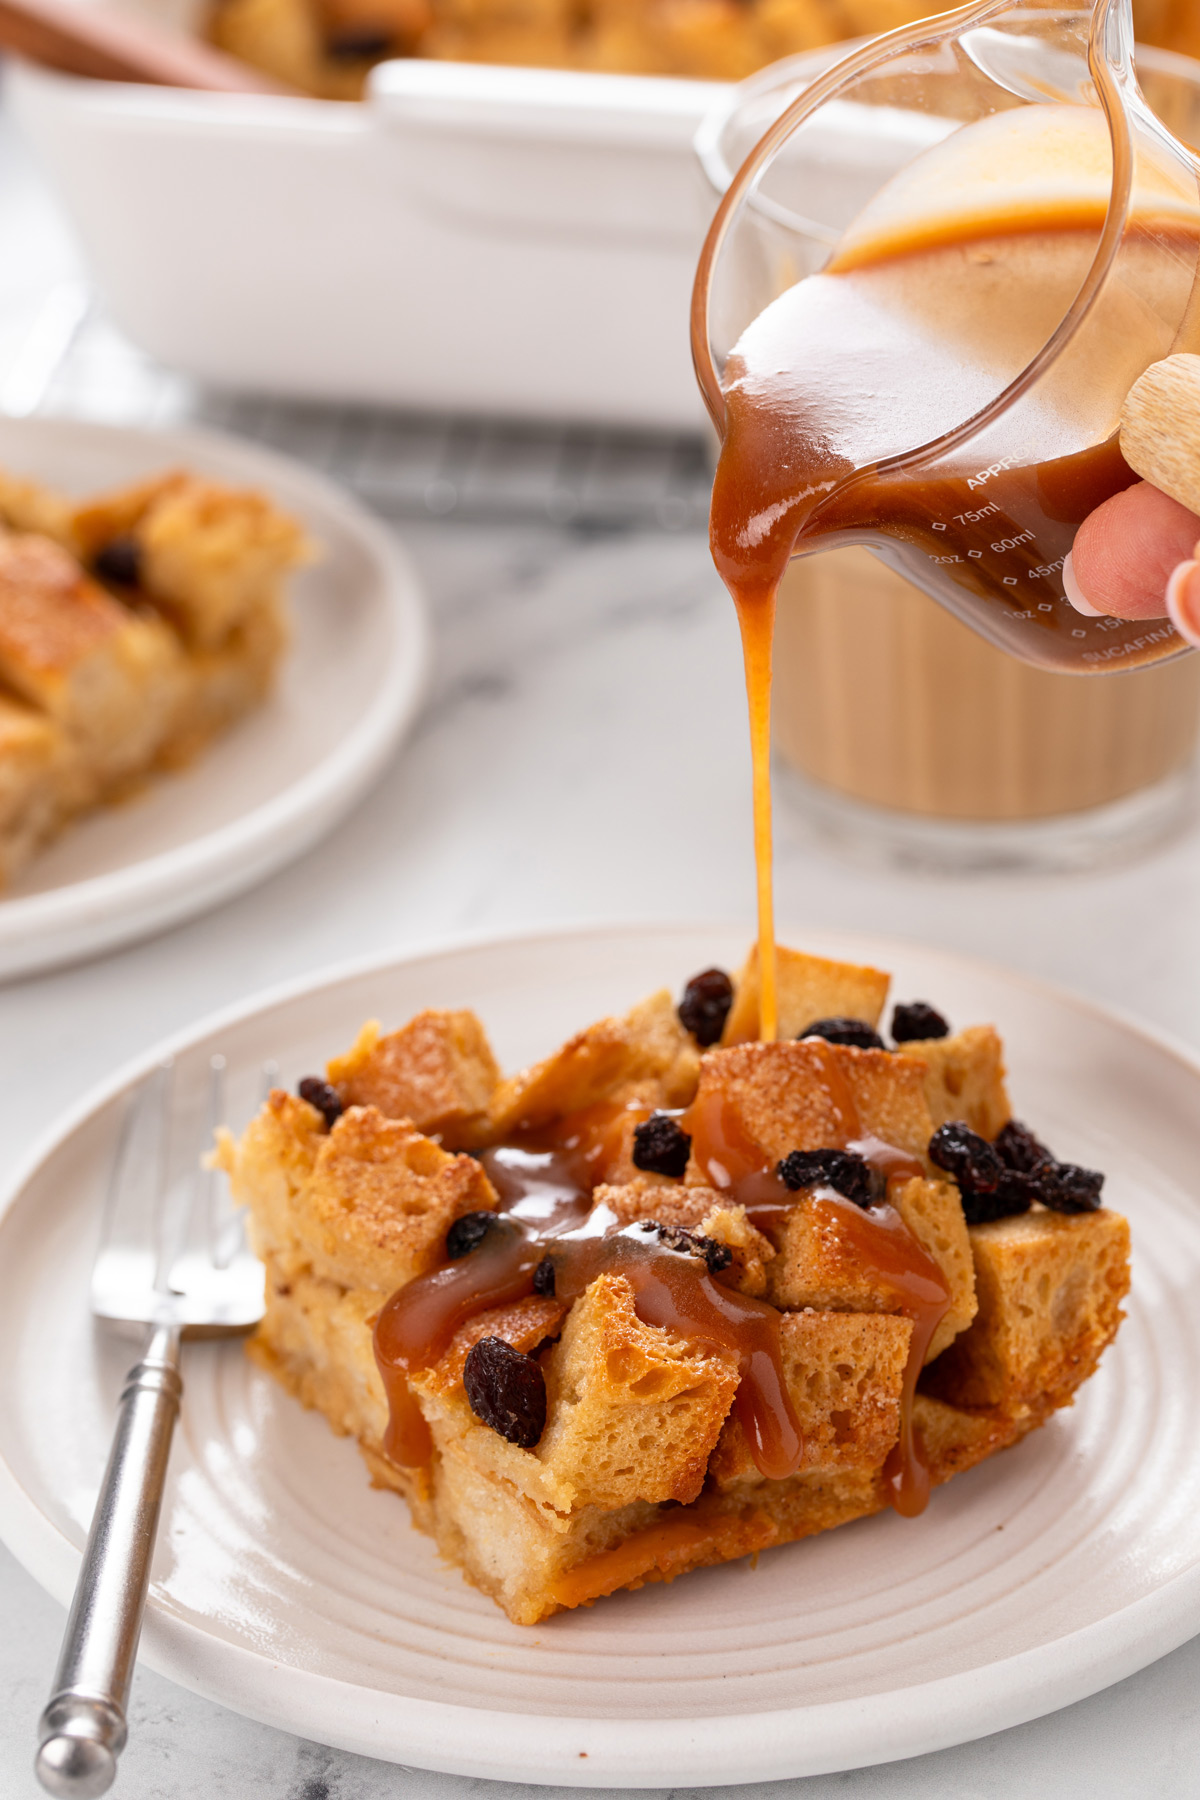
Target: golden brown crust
[381,1199]
[601,1064]
[635,1412]
[964,1078]
[366,1205]
[784,1101]
[438,1071]
[1050,1288]
[818,1264]
[808,988]
[51,615]
[844,1372]
[209,555]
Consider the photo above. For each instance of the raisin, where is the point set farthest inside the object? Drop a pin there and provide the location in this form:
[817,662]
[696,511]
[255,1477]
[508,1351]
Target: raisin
[968,1157]
[844,1031]
[359,45]
[544,1277]
[1065,1187]
[989,1189]
[467,1233]
[507,1390]
[1012,1196]
[691,1243]
[914,1021]
[705,1006]
[847,1173]
[1019,1149]
[326,1099]
[120,561]
[661,1146]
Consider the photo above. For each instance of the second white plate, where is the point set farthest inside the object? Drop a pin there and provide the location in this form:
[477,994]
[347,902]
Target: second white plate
[288,1589]
[261,795]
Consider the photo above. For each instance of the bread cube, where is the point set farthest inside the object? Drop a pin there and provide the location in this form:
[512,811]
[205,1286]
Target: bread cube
[110,679]
[813,1096]
[601,1064]
[964,1078]
[1049,1287]
[844,1373]
[366,1205]
[269,1167]
[437,1071]
[208,554]
[634,1411]
[820,1266]
[704,1211]
[808,988]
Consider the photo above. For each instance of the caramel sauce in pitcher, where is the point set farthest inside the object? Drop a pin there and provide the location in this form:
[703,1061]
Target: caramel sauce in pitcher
[940,295]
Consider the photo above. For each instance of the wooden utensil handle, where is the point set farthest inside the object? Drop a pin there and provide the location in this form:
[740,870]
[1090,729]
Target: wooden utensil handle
[1160,428]
[92,40]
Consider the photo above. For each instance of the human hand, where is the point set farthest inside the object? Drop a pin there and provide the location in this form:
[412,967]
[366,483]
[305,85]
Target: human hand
[1138,557]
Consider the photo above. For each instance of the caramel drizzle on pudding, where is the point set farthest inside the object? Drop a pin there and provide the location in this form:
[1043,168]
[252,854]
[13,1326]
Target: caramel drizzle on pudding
[546,1213]
[671,1290]
[875,1238]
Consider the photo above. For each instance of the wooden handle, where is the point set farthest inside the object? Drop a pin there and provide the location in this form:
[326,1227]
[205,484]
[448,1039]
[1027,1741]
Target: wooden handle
[1160,428]
[106,45]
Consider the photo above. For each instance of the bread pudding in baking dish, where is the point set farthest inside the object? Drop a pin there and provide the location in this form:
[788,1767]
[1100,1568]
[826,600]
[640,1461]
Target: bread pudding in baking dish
[672,1296]
[134,627]
[328,47]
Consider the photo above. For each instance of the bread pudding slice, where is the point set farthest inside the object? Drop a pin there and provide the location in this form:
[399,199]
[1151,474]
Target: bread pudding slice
[658,1303]
[133,629]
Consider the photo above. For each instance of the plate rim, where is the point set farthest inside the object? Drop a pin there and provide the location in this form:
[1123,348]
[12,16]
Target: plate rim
[804,1740]
[80,919]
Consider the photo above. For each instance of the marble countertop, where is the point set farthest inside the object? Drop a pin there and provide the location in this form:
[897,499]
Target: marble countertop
[581,756]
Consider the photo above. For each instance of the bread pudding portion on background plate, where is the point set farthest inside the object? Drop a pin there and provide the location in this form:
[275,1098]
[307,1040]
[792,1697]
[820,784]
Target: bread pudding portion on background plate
[135,626]
[672,1296]
[199,627]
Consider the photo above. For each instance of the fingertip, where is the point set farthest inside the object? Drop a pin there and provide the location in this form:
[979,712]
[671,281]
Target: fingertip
[1125,551]
[1183,601]
[1075,593]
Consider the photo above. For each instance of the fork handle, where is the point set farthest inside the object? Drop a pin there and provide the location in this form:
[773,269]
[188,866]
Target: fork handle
[82,1730]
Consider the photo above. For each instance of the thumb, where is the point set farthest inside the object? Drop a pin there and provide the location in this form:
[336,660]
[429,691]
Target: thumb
[1133,558]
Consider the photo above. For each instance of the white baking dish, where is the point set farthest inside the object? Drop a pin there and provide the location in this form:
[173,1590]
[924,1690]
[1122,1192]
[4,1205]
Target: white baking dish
[488,240]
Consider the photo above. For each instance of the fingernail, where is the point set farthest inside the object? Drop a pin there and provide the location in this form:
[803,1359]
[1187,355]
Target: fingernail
[1075,593]
[1183,601]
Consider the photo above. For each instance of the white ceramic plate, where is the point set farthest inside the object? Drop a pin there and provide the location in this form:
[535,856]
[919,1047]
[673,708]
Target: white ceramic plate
[289,1590]
[284,776]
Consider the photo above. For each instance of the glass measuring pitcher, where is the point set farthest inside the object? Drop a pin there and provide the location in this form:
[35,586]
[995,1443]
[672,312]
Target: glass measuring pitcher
[922,304]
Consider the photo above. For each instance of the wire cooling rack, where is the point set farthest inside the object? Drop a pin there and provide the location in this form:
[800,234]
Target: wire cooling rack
[402,465]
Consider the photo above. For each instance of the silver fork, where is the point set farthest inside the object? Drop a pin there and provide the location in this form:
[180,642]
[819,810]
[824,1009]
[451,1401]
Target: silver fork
[172,1258]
